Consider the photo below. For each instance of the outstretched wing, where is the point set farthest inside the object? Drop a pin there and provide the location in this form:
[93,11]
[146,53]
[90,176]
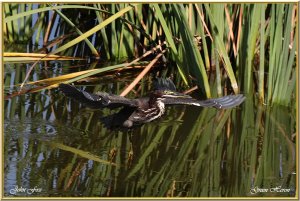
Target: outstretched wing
[224,102]
[220,103]
[86,98]
[99,100]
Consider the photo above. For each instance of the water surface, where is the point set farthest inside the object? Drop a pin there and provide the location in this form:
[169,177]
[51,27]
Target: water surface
[54,146]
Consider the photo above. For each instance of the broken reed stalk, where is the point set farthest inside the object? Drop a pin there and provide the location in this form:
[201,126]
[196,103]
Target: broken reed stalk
[142,74]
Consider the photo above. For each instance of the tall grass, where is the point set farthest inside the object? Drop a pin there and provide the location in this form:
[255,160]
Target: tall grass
[189,152]
[221,48]
[251,46]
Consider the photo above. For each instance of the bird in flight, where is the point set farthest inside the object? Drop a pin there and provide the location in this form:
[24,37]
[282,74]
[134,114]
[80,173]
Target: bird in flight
[142,110]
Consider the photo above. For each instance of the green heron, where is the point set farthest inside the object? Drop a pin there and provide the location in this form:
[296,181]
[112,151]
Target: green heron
[144,109]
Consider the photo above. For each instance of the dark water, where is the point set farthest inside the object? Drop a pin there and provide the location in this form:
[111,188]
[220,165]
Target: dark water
[56,147]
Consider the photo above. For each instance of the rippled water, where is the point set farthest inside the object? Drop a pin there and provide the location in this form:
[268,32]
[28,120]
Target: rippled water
[57,147]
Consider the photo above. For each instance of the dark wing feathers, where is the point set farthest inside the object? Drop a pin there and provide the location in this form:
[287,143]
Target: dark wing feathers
[91,100]
[99,100]
[102,99]
[220,103]
[116,120]
[223,102]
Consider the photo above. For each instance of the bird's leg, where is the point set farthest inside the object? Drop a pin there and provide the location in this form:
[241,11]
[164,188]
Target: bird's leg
[130,153]
[112,154]
[130,135]
[113,151]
